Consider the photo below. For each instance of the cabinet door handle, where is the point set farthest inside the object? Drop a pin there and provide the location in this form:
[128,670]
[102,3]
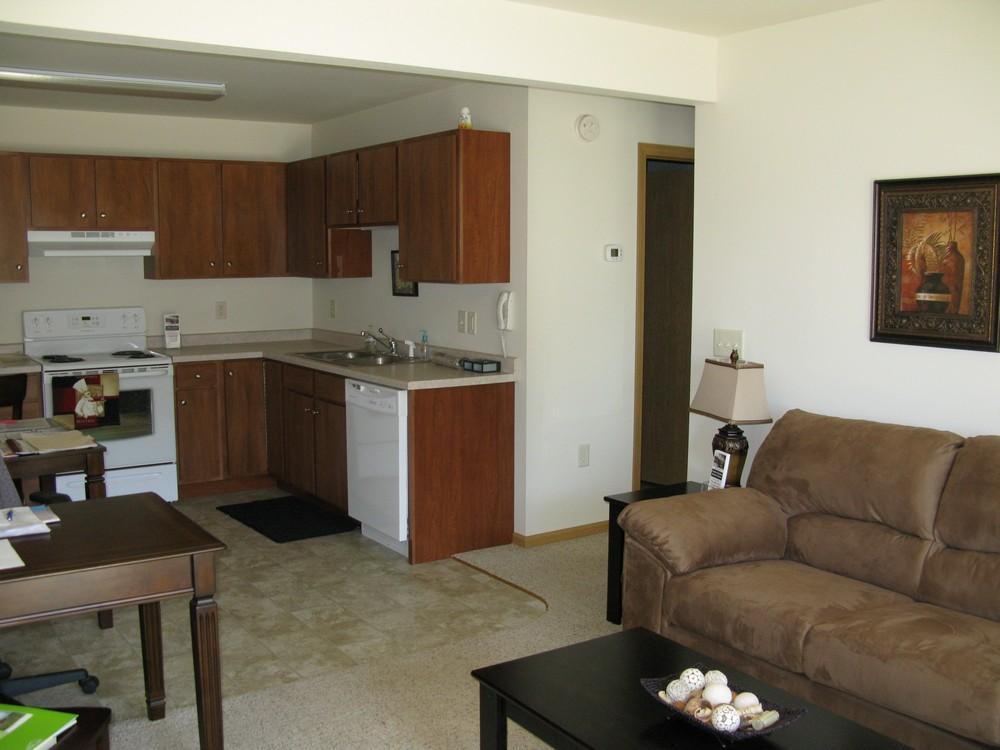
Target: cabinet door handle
[197,376]
[83,214]
[103,214]
[348,210]
[229,373]
[229,263]
[18,266]
[319,262]
[307,410]
[183,402]
[361,210]
[211,263]
[315,412]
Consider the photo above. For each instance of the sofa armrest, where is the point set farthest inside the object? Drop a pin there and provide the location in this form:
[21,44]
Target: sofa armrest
[690,532]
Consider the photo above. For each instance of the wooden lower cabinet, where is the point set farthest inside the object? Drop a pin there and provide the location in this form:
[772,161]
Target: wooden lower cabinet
[314,441]
[31,407]
[220,418]
[461,469]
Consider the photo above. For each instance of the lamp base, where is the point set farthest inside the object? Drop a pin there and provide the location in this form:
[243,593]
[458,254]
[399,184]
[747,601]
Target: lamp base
[730,438]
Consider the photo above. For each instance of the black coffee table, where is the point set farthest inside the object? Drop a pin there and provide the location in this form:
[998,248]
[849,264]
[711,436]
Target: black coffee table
[588,696]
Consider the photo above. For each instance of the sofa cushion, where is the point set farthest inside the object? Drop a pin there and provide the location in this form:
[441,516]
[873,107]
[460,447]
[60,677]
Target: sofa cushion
[962,580]
[868,471]
[766,609]
[923,661]
[863,550]
[969,517]
[704,529]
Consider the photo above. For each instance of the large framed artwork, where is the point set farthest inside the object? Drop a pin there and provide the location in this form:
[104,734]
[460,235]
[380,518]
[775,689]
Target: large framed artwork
[935,275]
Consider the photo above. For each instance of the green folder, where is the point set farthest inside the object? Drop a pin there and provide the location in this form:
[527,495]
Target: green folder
[38,732]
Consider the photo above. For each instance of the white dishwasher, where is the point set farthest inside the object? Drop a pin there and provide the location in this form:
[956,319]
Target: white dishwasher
[377,493]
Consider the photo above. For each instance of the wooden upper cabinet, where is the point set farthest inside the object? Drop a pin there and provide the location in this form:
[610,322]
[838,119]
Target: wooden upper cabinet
[253,215]
[342,189]
[62,192]
[377,185]
[305,208]
[454,207]
[13,218]
[69,192]
[361,187]
[125,193]
[189,231]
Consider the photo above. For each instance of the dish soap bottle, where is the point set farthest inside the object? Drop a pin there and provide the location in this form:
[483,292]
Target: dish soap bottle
[425,352]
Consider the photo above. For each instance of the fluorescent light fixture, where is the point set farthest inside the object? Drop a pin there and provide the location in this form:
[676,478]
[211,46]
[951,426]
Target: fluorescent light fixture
[107,84]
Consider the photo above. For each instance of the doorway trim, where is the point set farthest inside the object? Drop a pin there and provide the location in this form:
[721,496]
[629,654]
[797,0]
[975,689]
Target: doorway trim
[647,152]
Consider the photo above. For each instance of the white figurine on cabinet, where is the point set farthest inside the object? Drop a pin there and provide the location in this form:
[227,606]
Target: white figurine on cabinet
[465,119]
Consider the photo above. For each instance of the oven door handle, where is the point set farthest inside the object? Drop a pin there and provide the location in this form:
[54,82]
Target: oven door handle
[127,375]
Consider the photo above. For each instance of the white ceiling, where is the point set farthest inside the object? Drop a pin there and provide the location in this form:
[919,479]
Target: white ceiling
[266,90]
[709,17]
[278,91]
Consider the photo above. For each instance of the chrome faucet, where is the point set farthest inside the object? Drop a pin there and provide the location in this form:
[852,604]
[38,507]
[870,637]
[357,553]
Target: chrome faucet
[387,341]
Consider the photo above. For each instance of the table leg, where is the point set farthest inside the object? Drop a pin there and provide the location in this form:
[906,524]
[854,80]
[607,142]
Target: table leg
[616,561]
[152,660]
[492,719]
[207,670]
[94,486]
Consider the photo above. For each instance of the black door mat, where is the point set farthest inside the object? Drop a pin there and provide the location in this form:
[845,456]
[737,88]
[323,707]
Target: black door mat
[288,519]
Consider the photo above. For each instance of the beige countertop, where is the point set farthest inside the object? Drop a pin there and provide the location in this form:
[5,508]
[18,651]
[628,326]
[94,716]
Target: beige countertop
[405,376]
[16,364]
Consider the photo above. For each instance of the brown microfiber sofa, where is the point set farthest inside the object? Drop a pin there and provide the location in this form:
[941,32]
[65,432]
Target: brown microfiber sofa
[859,568]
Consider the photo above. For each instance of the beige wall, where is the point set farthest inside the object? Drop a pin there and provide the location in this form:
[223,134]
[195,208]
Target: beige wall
[809,114]
[254,304]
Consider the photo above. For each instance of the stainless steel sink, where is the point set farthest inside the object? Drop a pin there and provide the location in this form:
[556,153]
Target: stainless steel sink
[358,358]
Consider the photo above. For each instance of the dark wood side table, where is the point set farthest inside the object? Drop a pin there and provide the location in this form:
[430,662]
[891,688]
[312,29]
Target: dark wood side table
[616,537]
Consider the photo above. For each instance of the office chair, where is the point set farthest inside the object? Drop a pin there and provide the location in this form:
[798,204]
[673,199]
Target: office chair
[11,686]
[13,389]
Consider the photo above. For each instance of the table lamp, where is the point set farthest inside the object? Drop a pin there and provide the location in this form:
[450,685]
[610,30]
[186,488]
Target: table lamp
[732,391]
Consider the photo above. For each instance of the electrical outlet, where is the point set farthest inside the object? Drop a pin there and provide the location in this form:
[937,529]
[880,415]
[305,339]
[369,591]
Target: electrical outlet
[461,321]
[725,340]
[472,321]
[221,311]
[583,455]
[333,308]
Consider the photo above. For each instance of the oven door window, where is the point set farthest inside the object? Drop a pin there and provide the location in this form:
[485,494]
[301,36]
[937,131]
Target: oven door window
[100,406]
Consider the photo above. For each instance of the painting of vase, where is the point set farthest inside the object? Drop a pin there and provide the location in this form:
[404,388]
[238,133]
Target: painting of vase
[935,263]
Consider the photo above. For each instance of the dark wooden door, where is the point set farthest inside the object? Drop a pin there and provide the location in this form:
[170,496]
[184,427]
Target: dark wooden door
[305,202]
[300,443]
[13,217]
[342,189]
[275,429]
[428,219]
[62,192]
[189,231]
[246,432]
[253,219]
[377,185]
[199,419]
[350,253]
[331,453]
[666,336]
[125,193]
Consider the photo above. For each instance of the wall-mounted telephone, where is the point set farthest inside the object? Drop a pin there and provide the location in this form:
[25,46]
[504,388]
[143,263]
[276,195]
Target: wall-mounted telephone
[505,311]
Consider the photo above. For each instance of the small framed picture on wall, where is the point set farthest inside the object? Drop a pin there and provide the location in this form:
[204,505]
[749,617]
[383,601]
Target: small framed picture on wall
[935,270]
[401,288]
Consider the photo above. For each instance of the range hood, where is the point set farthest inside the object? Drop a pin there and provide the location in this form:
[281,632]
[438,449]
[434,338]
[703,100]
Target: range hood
[89,243]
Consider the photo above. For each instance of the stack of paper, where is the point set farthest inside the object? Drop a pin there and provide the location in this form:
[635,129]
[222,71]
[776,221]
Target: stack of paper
[21,521]
[45,442]
[8,556]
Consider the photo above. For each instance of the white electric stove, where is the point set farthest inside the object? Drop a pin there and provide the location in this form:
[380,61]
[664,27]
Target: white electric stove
[75,349]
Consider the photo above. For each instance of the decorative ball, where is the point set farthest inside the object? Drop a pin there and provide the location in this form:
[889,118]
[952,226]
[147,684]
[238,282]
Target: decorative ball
[715,677]
[747,704]
[678,691]
[693,678]
[725,718]
[716,694]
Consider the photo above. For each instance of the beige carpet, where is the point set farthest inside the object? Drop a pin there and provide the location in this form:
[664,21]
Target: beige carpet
[422,699]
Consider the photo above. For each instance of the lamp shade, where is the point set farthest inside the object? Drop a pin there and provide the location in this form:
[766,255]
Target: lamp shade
[732,392]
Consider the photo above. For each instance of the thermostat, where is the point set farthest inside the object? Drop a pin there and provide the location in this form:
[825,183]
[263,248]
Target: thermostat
[612,252]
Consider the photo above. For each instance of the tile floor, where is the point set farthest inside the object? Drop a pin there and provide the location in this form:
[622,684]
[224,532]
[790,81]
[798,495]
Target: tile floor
[287,612]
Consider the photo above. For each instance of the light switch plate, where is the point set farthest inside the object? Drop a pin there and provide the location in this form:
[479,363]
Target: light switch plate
[333,308]
[221,311]
[461,321]
[727,339]
[583,455]
[471,321]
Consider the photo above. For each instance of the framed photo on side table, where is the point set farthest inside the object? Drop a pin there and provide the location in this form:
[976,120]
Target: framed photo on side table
[401,288]
[935,272]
